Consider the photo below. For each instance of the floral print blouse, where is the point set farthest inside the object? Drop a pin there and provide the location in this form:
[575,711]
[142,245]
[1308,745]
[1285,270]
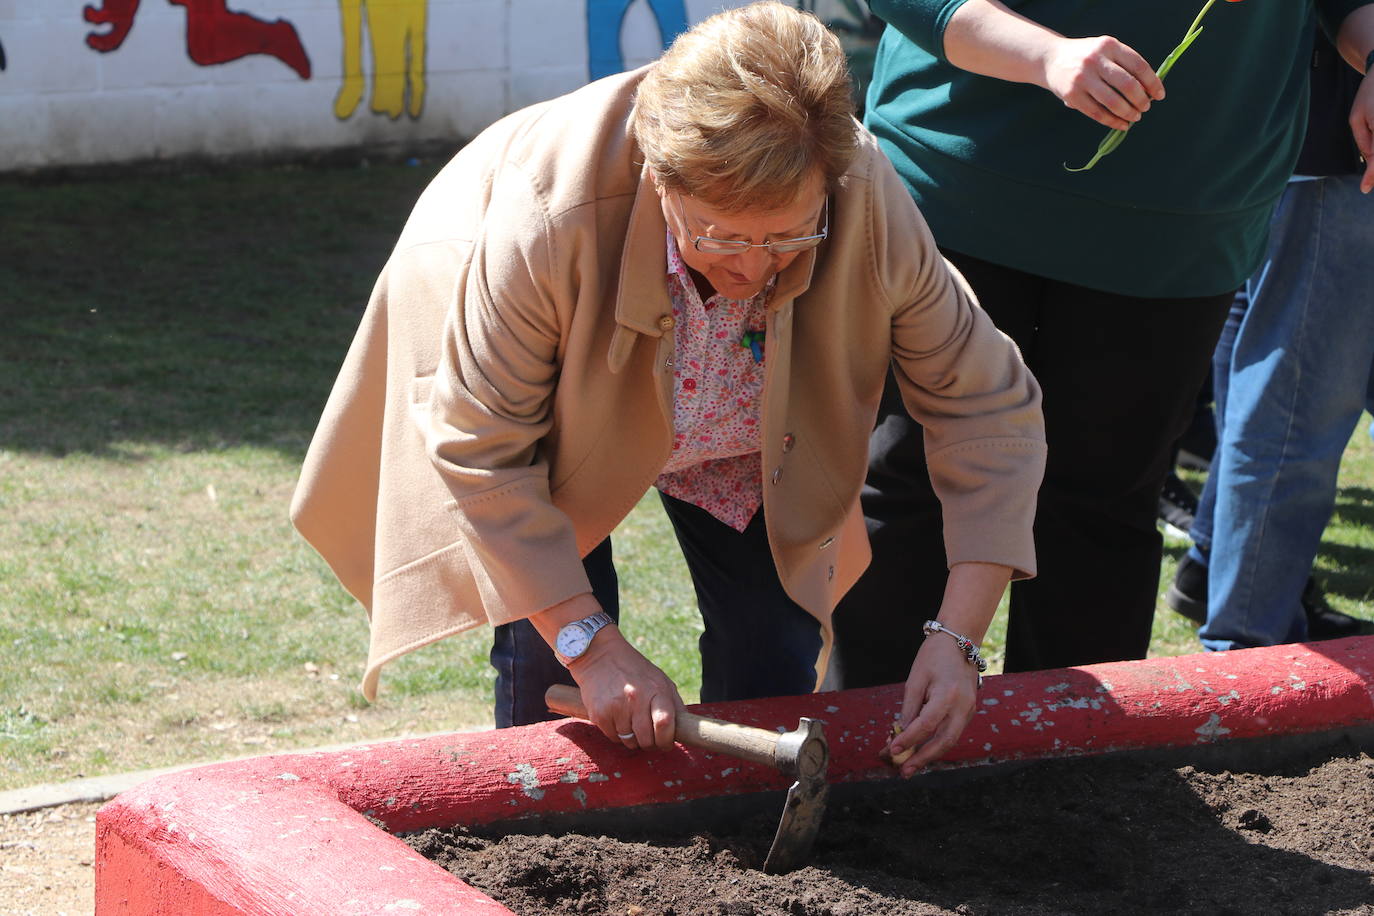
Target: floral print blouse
[717,383]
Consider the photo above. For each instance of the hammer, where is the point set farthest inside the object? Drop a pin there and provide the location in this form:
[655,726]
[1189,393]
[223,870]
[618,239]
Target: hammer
[802,754]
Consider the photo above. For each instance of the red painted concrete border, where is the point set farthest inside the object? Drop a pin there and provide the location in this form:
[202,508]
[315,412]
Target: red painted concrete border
[289,834]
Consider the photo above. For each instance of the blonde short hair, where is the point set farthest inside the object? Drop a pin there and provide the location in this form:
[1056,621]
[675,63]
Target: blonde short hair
[746,107]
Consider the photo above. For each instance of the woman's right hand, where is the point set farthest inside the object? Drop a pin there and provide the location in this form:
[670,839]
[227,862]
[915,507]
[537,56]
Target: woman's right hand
[627,696]
[1102,78]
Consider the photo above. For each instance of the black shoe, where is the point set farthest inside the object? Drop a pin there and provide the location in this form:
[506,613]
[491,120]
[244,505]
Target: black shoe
[1177,504]
[1323,622]
[1187,594]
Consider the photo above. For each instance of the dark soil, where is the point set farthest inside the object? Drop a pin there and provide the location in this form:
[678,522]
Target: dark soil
[1101,836]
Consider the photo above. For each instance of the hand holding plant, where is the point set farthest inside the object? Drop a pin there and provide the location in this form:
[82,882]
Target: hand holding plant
[1114,138]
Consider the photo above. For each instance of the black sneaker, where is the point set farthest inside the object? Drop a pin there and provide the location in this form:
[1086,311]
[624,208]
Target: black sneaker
[1177,504]
[1187,594]
[1324,622]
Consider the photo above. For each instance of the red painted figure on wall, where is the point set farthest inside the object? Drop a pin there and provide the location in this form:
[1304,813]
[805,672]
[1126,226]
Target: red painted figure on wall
[214,33]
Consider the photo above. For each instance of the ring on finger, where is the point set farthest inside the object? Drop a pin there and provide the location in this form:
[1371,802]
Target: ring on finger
[625,737]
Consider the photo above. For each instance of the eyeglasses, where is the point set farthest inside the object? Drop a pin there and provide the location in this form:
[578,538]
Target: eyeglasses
[707,245]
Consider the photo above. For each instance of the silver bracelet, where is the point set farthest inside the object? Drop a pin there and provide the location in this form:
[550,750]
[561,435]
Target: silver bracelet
[966,645]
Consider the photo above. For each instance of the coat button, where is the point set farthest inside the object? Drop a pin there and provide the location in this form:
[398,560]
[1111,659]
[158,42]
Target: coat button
[831,575]
[777,474]
[666,322]
[788,441]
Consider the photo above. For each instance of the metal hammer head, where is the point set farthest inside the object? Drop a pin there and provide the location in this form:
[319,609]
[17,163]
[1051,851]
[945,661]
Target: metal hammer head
[804,754]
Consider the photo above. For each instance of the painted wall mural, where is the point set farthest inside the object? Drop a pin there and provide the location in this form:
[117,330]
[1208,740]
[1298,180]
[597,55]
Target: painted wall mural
[604,21]
[214,33]
[106,81]
[396,30]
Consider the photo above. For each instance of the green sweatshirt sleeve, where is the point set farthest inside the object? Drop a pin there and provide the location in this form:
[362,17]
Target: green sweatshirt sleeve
[922,21]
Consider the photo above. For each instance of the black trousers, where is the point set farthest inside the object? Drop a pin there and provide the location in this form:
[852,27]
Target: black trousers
[1119,375]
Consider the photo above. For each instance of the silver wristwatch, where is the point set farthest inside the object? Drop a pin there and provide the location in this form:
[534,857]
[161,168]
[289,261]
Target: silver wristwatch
[575,638]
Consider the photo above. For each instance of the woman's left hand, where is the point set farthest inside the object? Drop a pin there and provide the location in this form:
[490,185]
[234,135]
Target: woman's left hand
[937,705]
[940,691]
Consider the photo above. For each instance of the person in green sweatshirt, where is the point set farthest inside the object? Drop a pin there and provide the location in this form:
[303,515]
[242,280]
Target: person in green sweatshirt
[1113,281]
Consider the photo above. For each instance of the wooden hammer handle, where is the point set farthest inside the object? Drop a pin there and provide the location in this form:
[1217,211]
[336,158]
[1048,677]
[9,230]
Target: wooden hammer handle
[757,745]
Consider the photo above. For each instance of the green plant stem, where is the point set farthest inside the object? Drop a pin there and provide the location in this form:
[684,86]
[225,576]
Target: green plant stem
[1198,21]
[1116,136]
[1173,57]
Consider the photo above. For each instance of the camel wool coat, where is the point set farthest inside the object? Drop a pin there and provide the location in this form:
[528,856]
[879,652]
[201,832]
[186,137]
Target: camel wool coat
[508,397]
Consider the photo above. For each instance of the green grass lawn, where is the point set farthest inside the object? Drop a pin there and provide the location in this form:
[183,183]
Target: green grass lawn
[169,341]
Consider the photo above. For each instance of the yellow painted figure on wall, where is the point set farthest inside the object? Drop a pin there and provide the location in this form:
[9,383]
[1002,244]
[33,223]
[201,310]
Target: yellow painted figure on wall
[396,29]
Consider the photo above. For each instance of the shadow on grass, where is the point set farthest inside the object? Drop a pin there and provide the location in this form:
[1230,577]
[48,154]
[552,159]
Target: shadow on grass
[1355,506]
[195,311]
[1351,578]
[1350,567]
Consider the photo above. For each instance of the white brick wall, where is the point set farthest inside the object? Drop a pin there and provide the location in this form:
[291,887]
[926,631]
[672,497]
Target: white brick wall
[64,103]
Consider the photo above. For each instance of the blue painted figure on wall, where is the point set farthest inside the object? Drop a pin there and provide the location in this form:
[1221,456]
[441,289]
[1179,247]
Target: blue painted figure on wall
[604,19]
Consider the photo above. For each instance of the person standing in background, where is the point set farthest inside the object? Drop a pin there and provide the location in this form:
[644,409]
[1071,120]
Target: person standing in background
[1114,282]
[1292,377]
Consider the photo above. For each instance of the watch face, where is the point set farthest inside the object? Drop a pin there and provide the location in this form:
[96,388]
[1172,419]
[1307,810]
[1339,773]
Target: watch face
[573,641]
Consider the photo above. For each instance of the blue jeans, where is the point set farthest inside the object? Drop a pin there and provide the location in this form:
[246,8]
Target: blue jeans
[1291,375]
[757,641]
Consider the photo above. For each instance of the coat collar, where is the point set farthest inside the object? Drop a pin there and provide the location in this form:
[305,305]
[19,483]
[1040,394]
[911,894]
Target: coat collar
[642,298]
